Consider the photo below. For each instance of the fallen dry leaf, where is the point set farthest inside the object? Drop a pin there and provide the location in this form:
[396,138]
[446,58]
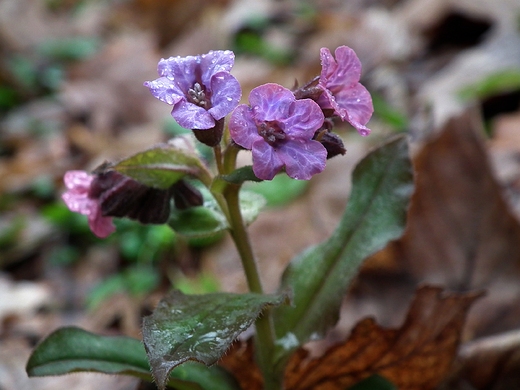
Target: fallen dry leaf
[460,234]
[418,355]
[488,363]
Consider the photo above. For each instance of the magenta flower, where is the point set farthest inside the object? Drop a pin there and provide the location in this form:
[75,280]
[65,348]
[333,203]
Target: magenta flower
[200,88]
[343,93]
[279,130]
[77,199]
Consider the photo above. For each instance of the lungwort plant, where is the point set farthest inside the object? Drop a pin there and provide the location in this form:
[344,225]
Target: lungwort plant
[289,132]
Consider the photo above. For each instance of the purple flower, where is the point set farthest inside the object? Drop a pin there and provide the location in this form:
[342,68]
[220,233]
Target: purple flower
[279,130]
[343,93]
[77,199]
[200,88]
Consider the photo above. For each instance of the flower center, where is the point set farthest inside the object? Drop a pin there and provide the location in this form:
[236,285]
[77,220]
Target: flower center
[271,132]
[197,96]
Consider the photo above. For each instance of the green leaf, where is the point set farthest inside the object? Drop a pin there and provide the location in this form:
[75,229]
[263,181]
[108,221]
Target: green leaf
[71,349]
[136,280]
[161,166]
[374,382]
[319,277]
[208,221]
[69,49]
[389,114]
[240,175]
[198,327]
[503,81]
[197,222]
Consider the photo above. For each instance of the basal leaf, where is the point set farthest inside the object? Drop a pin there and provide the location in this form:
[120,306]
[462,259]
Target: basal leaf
[71,349]
[160,166]
[197,327]
[319,277]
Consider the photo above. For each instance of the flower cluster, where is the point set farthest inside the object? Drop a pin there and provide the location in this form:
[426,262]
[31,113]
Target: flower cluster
[285,130]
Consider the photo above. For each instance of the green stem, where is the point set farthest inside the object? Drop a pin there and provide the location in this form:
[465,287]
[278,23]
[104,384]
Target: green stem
[265,335]
[217,150]
[230,158]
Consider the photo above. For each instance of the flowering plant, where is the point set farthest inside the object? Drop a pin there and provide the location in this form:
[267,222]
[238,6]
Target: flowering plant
[288,132]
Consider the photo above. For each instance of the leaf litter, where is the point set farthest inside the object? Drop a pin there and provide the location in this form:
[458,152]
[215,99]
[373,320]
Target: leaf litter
[463,230]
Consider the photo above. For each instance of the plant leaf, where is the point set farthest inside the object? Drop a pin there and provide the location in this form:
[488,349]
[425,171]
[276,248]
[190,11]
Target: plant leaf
[198,327]
[240,175]
[72,349]
[208,221]
[160,166]
[417,355]
[319,277]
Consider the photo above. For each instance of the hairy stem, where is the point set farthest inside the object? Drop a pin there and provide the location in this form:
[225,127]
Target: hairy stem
[265,335]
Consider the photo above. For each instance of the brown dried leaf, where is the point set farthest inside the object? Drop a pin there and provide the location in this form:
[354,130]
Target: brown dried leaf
[240,361]
[418,355]
[488,363]
[460,234]
[460,231]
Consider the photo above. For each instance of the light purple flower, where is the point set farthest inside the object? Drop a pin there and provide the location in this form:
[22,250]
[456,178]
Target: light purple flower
[77,199]
[200,88]
[279,130]
[343,93]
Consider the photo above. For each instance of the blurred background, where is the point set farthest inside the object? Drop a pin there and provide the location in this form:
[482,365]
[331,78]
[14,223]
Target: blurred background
[71,97]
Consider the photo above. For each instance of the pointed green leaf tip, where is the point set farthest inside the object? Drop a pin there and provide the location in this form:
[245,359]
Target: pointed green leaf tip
[319,277]
[198,327]
[160,166]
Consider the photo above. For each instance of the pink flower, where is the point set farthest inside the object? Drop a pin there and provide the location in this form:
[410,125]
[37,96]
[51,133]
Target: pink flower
[342,91]
[77,199]
[279,130]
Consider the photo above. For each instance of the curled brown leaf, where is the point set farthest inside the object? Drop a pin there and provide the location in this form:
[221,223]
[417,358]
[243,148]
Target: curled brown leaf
[418,355]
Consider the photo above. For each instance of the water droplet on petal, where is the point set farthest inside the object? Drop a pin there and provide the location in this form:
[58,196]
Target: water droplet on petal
[229,99]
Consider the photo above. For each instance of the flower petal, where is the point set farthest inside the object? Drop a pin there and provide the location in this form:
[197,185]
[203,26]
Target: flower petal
[271,102]
[242,127]
[341,72]
[76,198]
[353,105]
[165,90]
[266,162]
[191,116]
[78,181]
[78,202]
[215,62]
[180,70]
[226,94]
[305,118]
[99,225]
[303,159]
